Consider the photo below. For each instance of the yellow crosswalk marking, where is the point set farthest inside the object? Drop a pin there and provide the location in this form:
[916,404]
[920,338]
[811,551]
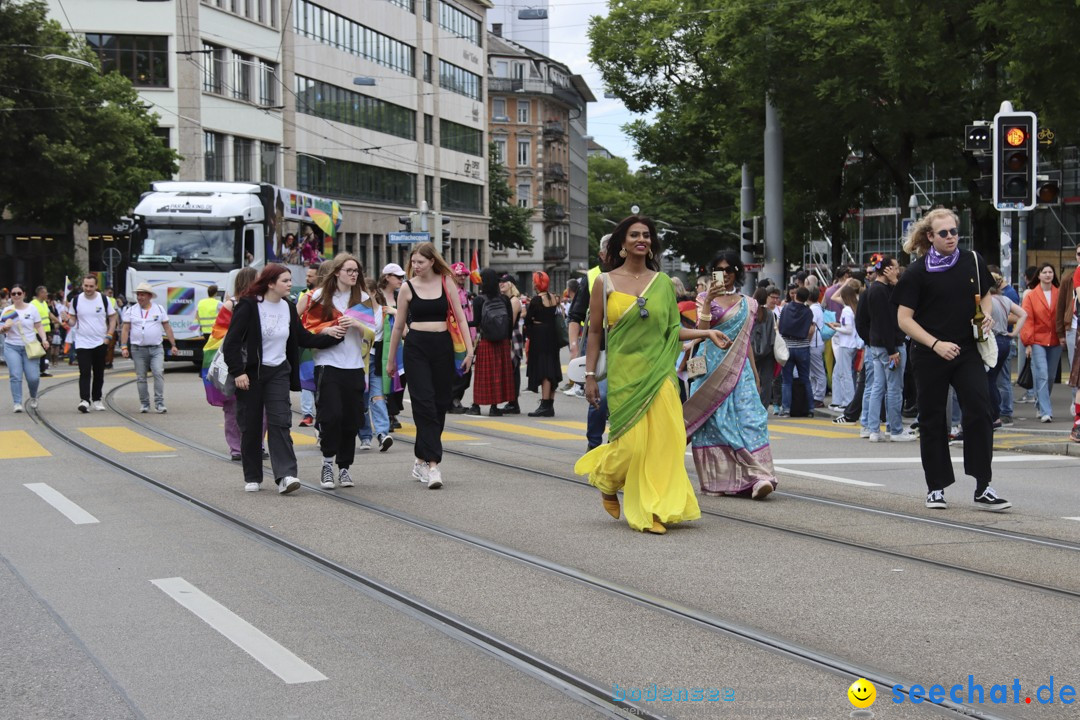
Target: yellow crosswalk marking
[124,440]
[409,430]
[513,429]
[814,432]
[302,439]
[17,444]
[573,425]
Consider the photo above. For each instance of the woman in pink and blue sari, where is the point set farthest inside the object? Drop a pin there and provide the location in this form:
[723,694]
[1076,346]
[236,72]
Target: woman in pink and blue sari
[725,421]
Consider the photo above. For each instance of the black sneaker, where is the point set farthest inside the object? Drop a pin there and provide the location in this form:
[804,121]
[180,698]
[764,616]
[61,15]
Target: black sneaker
[988,500]
[784,413]
[385,442]
[936,499]
[473,410]
[327,479]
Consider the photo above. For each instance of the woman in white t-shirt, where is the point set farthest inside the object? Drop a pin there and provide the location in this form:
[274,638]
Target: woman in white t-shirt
[341,370]
[846,343]
[20,323]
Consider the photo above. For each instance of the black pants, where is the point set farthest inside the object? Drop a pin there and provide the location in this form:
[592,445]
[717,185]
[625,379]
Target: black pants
[461,384]
[268,392]
[429,365]
[966,375]
[339,406]
[91,361]
[766,366]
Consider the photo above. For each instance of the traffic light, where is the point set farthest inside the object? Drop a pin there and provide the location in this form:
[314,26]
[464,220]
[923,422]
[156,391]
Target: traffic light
[1048,188]
[406,222]
[753,243]
[1015,160]
[442,221]
[979,145]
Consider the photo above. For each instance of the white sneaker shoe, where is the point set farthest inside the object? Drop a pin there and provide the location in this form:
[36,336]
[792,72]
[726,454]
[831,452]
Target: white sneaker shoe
[345,479]
[32,404]
[903,437]
[879,437]
[864,433]
[84,406]
[761,490]
[572,390]
[144,409]
[1046,419]
[288,484]
[18,408]
[99,406]
[252,487]
[434,478]
[420,471]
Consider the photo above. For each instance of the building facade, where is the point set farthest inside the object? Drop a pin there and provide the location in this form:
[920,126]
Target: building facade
[537,122]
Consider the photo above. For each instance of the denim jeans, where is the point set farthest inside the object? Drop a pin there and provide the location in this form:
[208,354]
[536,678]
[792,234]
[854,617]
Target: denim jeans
[868,387]
[843,380]
[598,416]
[888,384]
[376,419]
[1044,360]
[994,373]
[798,359]
[1004,379]
[152,358]
[18,366]
[307,402]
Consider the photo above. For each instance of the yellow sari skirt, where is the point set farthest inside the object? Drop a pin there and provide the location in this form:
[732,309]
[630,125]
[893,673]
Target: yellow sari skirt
[648,464]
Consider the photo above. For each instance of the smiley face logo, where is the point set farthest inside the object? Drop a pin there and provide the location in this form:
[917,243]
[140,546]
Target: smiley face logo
[862,693]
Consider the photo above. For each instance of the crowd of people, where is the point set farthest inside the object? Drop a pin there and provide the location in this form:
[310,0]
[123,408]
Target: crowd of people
[661,367]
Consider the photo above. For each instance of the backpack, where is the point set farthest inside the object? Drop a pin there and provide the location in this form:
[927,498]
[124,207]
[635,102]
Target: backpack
[828,316]
[494,319]
[761,337]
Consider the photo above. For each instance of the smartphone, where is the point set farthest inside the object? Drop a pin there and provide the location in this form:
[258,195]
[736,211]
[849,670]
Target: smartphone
[718,277]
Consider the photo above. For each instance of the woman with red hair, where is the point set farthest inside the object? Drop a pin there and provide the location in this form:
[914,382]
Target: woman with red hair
[541,329]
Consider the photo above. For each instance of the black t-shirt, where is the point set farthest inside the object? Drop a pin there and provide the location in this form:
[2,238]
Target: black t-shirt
[944,302]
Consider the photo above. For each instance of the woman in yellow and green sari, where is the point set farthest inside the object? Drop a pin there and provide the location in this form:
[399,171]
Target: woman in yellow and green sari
[645,455]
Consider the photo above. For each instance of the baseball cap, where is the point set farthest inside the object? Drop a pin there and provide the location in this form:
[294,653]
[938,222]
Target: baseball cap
[393,269]
[459,268]
[505,277]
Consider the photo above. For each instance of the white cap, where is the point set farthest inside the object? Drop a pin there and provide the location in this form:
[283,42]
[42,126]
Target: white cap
[393,269]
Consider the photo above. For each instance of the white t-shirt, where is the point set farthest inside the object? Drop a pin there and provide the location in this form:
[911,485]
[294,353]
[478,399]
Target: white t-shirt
[819,323]
[274,317]
[845,336]
[91,320]
[147,326]
[350,353]
[23,327]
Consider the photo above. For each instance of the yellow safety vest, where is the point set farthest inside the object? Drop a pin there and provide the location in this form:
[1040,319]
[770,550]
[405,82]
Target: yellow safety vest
[43,310]
[207,311]
[590,278]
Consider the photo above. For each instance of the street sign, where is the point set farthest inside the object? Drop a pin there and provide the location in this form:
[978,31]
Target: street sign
[408,238]
[905,227]
[752,266]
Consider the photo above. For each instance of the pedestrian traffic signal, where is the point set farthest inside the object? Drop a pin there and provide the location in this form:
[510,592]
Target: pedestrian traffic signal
[1015,160]
[753,242]
[1048,191]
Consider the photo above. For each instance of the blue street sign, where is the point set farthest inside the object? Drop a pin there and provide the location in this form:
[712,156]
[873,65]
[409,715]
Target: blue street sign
[905,227]
[408,238]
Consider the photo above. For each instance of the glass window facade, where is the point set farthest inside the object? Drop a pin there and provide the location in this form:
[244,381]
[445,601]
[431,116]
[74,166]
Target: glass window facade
[214,69]
[459,80]
[268,162]
[459,23]
[143,59]
[268,82]
[462,138]
[214,155]
[243,160]
[462,197]
[318,23]
[523,152]
[335,103]
[355,181]
[242,70]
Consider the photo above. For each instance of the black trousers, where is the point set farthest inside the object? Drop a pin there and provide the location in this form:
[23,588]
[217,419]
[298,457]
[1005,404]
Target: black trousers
[966,375]
[91,362]
[429,365]
[339,407]
[268,392]
[461,384]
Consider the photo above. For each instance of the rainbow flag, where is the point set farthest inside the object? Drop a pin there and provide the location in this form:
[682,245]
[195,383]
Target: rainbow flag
[210,351]
[455,334]
[391,383]
[474,268]
[688,313]
[315,323]
[328,246]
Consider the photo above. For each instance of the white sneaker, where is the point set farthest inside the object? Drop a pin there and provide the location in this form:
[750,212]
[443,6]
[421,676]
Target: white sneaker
[99,406]
[18,407]
[161,409]
[420,471]
[345,479]
[864,433]
[32,404]
[365,444]
[903,437]
[434,478]
[878,437]
[572,390]
[84,406]
[252,487]
[288,484]
[1046,419]
[144,409]
[761,490]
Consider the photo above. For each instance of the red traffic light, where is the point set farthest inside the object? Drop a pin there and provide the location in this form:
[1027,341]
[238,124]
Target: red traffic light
[1016,136]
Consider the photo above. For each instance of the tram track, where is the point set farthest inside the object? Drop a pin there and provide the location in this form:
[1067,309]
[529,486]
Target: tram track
[573,684]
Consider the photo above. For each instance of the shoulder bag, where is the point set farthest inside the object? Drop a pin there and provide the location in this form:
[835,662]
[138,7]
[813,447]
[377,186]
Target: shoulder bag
[576,369]
[218,375]
[988,349]
[780,348]
[34,350]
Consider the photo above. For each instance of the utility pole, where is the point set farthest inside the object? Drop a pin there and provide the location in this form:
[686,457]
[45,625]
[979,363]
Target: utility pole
[746,207]
[774,195]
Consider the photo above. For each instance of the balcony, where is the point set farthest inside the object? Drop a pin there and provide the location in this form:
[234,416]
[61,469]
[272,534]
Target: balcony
[553,130]
[554,253]
[537,87]
[554,212]
[554,173]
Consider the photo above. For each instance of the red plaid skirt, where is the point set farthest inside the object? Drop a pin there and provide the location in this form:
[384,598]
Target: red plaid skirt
[493,377]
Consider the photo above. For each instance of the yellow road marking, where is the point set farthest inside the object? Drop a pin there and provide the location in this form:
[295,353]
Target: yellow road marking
[813,432]
[302,439]
[17,444]
[409,430]
[572,424]
[533,432]
[124,440]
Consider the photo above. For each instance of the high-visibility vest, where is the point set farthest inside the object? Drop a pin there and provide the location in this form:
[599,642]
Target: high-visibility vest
[207,312]
[590,278]
[43,310]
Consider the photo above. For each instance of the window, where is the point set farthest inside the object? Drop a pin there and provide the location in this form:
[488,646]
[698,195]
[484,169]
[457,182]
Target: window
[143,59]
[459,23]
[524,195]
[461,197]
[274,12]
[214,69]
[500,150]
[338,31]
[429,190]
[334,103]
[268,161]
[459,80]
[519,71]
[164,134]
[355,181]
[241,82]
[243,167]
[406,4]
[267,83]
[427,67]
[523,152]
[498,110]
[429,129]
[214,155]
[523,111]
[502,69]
[462,138]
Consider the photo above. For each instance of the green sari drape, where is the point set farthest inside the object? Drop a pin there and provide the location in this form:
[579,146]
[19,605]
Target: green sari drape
[641,355]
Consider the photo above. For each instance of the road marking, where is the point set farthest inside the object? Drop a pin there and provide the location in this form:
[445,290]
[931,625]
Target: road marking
[513,429]
[831,478]
[571,424]
[70,510]
[797,430]
[273,656]
[124,440]
[299,438]
[17,445]
[1071,518]
[409,430]
[914,460]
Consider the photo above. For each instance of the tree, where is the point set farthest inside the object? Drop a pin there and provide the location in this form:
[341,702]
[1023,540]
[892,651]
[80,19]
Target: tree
[509,225]
[612,192]
[78,144]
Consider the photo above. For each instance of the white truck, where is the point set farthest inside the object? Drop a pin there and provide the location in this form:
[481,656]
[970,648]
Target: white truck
[187,236]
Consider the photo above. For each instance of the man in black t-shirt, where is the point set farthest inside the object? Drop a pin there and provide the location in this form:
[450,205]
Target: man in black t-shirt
[936,305]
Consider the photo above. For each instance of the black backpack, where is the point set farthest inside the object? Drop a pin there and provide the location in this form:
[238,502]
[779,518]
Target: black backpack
[762,336]
[494,319]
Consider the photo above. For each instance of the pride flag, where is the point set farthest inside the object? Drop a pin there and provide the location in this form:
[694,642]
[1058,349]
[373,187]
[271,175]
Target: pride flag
[314,322]
[210,350]
[455,333]
[474,268]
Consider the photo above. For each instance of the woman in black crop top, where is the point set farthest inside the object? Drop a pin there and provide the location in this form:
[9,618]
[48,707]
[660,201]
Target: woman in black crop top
[429,354]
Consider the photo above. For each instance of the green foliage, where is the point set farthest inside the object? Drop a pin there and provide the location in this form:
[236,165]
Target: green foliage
[509,224]
[83,143]
[57,269]
[612,191]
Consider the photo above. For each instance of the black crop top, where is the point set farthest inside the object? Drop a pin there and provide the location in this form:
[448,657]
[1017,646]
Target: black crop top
[423,310]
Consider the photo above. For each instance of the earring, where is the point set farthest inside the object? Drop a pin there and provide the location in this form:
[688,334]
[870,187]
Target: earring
[650,254]
[622,253]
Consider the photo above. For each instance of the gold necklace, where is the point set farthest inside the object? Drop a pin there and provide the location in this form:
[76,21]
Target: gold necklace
[630,274]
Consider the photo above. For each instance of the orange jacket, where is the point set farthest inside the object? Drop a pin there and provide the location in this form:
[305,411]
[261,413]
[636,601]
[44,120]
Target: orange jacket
[1040,326]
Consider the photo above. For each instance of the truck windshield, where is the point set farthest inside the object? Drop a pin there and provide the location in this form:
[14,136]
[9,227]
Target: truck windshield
[212,246]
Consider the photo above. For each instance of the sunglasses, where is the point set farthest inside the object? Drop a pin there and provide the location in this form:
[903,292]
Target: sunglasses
[16,293]
[641,307]
[725,269]
[946,233]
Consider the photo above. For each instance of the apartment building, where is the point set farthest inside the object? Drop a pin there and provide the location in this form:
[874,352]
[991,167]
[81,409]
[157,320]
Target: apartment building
[537,123]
